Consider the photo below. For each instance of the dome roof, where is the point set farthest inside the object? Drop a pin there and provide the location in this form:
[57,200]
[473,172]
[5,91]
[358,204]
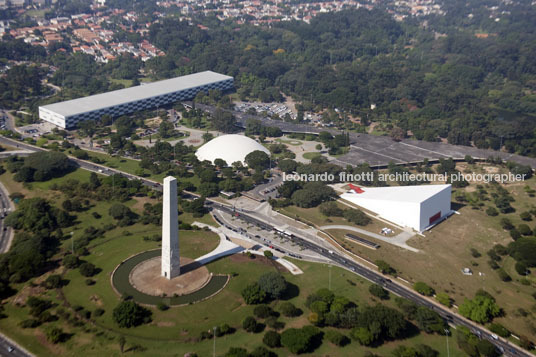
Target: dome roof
[230,148]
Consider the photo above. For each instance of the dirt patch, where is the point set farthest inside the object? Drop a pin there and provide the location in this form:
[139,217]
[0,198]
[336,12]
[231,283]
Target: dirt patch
[96,300]
[165,324]
[27,291]
[55,350]
[257,259]
[140,201]
[490,169]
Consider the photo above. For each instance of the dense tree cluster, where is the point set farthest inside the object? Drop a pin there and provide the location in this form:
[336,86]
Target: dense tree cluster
[39,231]
[270,286]
[39,166]
[129,314]
[482,308]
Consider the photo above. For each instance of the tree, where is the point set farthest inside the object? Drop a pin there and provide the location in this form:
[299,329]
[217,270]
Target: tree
[52,281]
[207,137]
[379,291]
[208,189]
[330,209]
[273,284]
[506,224]
[423,288]
[261,351]
[312,194]
[55,334]
[288,309]
[404,351]
[363,336]
[300,340]
[272,339]
[356,216]
[94,181]
[444,299]
[268,254]
[499,330]
[220,163]
[398,134]
[250,324]
[480,309]
[223,121]
[385,268]
[129,314]
[287,165]
[258,160]
[71,261]
[80,154]
[253,294]
[166,129]
[430,321]
[237,352]
[119,211]
[337,338]
[521,268]
[524,230]
[526,216]
[262,311]
[87,269]
[492,211]
[46,165]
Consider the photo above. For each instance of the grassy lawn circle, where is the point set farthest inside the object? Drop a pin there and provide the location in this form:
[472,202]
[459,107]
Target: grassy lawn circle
[121,283]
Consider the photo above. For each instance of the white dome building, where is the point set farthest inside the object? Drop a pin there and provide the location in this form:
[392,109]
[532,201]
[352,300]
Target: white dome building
[230,148]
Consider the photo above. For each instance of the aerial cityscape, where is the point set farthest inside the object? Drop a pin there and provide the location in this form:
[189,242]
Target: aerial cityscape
[263,178]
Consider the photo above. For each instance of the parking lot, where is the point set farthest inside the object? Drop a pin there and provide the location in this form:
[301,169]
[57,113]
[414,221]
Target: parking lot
[36,130]
[269,108]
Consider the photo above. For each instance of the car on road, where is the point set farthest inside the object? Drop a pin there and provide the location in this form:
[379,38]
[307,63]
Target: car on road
[10,349]
[494,336]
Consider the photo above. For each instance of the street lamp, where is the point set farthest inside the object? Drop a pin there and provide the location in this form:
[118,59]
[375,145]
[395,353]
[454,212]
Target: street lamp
[214,347]
[447,335]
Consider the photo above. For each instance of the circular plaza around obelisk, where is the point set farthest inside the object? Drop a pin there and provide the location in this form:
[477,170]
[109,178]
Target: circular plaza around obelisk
[139,277]
[146,277]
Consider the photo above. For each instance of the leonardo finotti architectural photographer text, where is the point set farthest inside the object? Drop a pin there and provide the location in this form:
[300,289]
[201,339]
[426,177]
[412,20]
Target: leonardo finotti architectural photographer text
[405,177]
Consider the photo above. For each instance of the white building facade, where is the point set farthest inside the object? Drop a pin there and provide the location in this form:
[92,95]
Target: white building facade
[418,207]
[129,100]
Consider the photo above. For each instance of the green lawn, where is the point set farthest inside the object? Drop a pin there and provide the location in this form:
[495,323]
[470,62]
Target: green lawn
[293,142]
[175,331]
[311,155]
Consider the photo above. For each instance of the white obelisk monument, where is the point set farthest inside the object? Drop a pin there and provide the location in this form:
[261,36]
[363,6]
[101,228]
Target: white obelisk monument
[170,230]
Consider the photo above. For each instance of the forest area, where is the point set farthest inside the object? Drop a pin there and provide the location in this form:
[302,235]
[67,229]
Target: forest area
[434,81]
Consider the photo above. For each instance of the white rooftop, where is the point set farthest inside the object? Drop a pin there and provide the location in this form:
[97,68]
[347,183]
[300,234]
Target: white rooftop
[132,94]
[231,148]
[415,194]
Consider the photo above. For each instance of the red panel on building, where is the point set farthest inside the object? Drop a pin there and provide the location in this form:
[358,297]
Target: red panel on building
[435,217]
[356,189]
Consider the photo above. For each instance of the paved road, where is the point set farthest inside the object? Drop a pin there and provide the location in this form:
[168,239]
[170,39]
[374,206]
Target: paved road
[9,348]
[6,233]
[400,290]
[335,257]
[9,121]
[269,189]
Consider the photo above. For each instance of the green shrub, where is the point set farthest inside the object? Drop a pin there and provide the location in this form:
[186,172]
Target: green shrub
[272,339]
[423,288]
